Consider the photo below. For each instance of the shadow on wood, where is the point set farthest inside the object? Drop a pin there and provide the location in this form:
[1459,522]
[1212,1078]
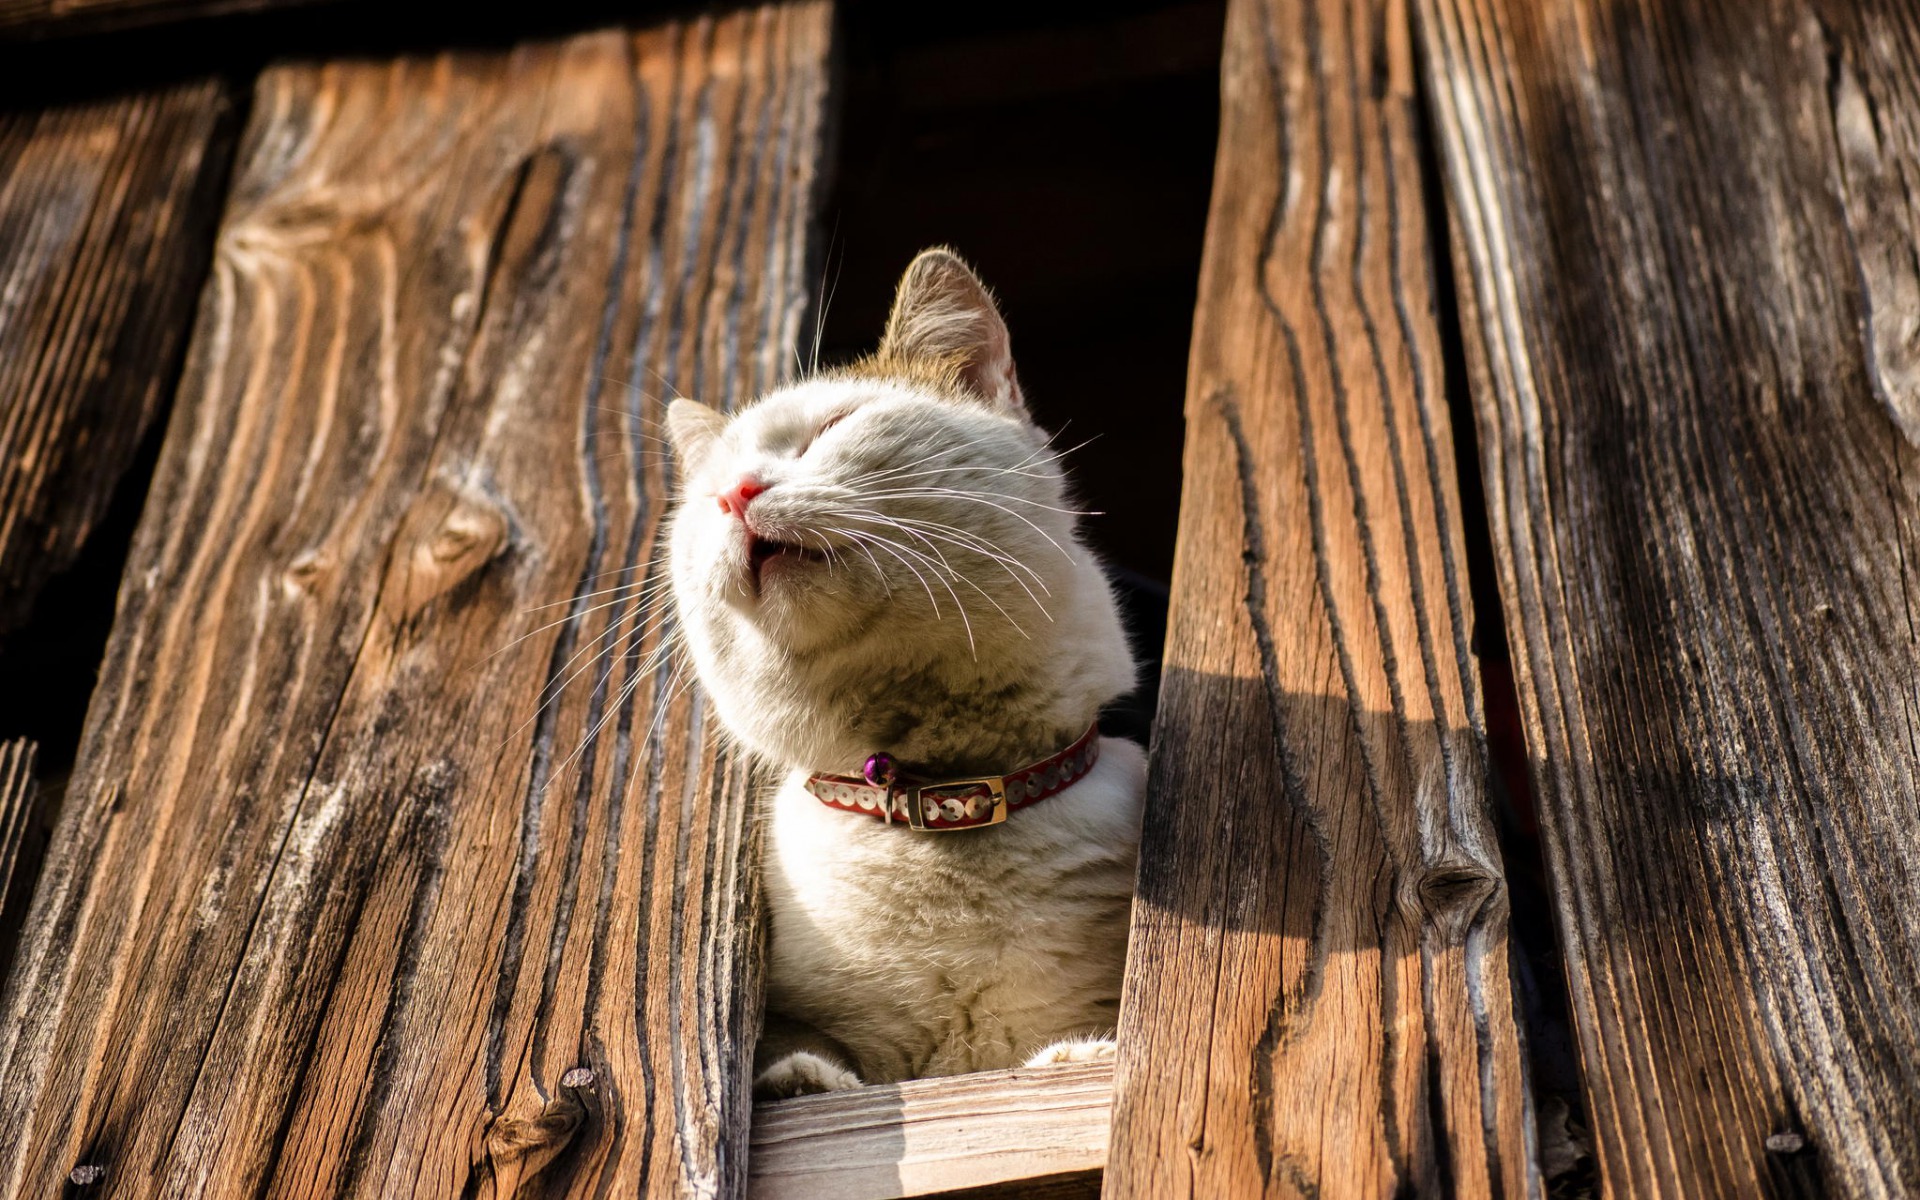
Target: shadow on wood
[1686,246]
[1317,997]
[107,211]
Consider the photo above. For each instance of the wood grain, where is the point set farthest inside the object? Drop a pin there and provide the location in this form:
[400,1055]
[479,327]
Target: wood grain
[1317,998]
[18,794]
[335,906]
[29,20]
[107,211]
[1035,1128]
[1686,240]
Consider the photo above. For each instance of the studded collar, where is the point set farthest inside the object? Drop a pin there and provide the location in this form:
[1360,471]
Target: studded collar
[887,792]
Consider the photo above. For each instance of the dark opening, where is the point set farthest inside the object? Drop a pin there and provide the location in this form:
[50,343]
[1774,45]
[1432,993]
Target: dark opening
[1067,152]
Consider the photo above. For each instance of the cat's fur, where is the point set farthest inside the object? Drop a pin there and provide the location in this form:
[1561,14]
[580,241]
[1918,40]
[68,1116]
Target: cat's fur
[973,637]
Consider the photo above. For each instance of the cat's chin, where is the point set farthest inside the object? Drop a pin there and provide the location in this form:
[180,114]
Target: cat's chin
[786,597]
[780,584]
[772,563]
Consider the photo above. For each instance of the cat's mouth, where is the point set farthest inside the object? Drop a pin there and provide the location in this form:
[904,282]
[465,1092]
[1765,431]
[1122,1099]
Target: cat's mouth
[765,552]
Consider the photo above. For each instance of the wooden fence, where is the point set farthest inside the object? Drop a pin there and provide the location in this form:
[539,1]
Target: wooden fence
[323,913]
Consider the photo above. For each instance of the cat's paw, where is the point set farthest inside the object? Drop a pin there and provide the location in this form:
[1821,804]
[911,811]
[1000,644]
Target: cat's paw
[1073,1050]
[802,1073]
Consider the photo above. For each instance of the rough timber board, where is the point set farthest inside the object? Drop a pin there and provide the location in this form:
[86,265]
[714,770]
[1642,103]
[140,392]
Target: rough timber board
[18,792]
[106,220]
[1317,996]
[929,1137]
[324,914]
[1686,242]
[29,20]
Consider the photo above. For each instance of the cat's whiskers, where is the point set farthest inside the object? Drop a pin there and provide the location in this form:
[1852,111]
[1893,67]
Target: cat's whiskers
[569,617]
[883,474]
[944,572]
[885,546]
[912,470]
[936,490]
[982,544]
[878,573]
[647,670]
[978,498]
[619,587]
[652,617]
[680,680]
[643,454]
[631,413]
[643,619]
[1022,468]
[950,534]
[820,317]
[1006,562]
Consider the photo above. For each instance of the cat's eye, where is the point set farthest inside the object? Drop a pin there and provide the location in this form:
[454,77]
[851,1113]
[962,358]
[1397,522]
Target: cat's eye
[821,428]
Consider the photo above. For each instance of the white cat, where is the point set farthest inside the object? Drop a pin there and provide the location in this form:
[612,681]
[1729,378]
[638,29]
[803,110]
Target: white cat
[882,561]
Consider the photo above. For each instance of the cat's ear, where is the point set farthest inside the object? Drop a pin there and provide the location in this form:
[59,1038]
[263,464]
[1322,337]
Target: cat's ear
[693,428]
[943,314]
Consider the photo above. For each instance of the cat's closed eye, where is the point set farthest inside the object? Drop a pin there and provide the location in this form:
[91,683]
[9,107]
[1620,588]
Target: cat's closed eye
[825,425]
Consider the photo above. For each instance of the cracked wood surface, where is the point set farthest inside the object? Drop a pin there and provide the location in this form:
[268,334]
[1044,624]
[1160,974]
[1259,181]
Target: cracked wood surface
[1686,235]
[330,909]
[1317,998]
[107,210]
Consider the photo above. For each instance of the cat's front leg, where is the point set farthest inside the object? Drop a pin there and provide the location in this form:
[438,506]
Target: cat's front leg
[802,1073]
[1075,1049]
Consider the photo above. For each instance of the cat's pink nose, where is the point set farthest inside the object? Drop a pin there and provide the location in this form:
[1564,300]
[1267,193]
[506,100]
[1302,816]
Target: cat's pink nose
[736,498]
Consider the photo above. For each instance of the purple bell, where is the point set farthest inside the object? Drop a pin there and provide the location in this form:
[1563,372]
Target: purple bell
[879,770]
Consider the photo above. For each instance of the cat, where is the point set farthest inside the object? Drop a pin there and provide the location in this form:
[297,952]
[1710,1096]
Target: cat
[876,569]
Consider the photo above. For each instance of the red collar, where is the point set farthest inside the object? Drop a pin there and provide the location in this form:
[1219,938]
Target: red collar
[940,804]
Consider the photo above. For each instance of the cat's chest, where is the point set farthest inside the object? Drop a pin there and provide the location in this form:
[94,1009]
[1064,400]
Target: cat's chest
[971,946]
[883,896]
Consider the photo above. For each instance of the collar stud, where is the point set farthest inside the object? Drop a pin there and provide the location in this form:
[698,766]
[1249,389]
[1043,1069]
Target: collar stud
[883,790]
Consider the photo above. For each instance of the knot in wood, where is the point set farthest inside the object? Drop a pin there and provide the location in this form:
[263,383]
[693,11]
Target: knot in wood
[577,1078]
[466,529]
[1454,889]
[303,575]
[468,534]
[1785,1142]
[538,1137]
[86,1174]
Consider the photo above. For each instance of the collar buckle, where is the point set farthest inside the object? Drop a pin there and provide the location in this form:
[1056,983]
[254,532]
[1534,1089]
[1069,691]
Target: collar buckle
[996,786]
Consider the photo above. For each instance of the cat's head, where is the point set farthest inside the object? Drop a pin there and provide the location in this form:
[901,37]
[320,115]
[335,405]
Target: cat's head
[906,509]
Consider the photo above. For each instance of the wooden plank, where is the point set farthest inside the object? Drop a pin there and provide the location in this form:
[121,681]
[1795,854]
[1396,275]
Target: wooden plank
[1033,1127]
[107,211]
[1317,997]
[330,909]
[1686,236]
[26,20]
[17,813]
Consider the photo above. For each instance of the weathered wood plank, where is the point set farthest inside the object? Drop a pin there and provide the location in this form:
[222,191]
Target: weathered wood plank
[17,794]
[330,910]
[1686,237]
[107,211]
[935,1136]
[1317,996]
[24,20]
